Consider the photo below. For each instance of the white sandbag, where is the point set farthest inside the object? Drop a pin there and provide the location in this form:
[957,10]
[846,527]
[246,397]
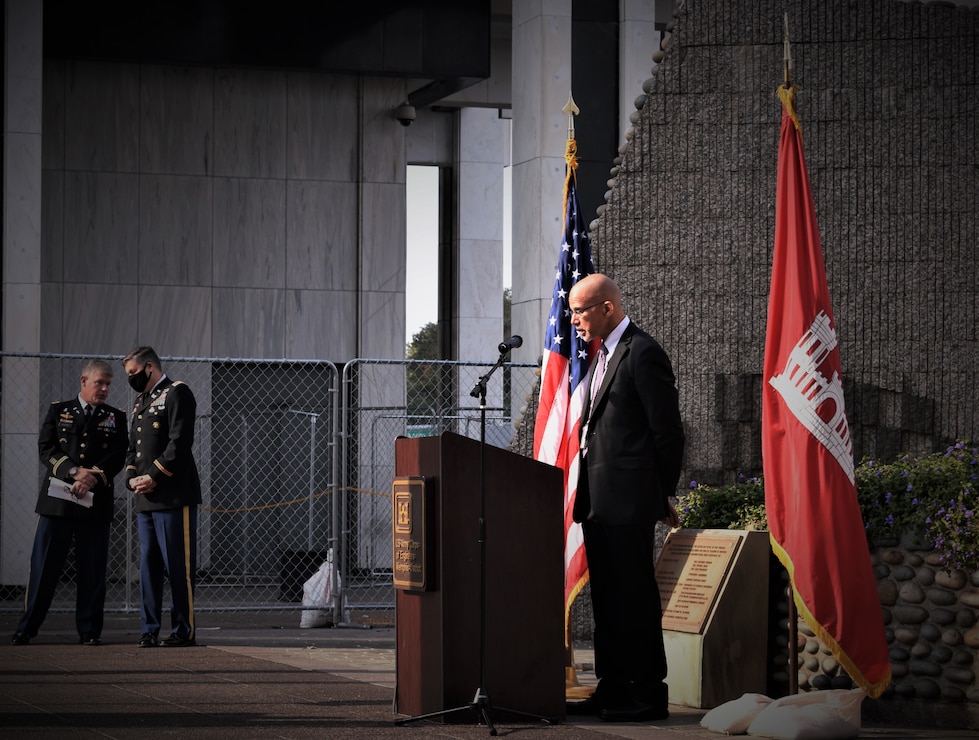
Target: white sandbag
[318,596]
[817,715]
[734,717]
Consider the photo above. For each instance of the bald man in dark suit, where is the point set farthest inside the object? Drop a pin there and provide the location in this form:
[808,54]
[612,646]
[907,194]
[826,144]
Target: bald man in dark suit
[632,444]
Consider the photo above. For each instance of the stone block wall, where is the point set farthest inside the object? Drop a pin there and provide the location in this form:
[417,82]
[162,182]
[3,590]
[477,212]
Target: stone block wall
[888,101]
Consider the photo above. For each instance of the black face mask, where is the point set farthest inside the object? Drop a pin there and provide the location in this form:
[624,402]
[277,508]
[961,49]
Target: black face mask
[137,381]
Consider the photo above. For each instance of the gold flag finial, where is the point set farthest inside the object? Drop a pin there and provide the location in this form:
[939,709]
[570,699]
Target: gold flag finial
[572,110]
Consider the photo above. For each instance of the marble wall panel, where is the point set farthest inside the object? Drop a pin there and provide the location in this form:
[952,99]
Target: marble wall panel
[382,137]
[250,123]
[321,235]
[248,323]
[97,318]
[249,233]
[51,312]
[175,230]
[481,198]
[174,320]
[53,114]
[382,324]
[22,207]
[21,316]
[52,225]
[322,325]
[101,227]
[431,138]
[176,120]
[323,126]
[383,241]
[101,123]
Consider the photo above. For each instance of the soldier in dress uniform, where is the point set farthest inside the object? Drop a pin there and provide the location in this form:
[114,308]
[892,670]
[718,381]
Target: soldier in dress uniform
[161,471]
[82,445]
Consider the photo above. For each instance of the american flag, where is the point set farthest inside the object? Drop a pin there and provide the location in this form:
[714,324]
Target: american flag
[562,389]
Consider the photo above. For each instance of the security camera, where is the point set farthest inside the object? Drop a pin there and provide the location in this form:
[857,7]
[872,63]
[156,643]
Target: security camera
[405,114]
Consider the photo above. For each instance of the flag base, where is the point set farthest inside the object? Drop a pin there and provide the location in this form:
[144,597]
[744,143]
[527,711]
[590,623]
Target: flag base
[572,688]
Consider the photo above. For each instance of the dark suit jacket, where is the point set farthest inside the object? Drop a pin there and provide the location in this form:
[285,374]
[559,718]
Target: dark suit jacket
[66,441]
[635,437]
[161,442]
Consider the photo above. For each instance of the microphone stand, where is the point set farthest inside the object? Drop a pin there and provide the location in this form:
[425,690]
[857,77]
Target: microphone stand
[481,704]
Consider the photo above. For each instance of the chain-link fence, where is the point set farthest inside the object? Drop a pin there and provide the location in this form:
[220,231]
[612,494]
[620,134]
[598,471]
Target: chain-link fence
[296,463]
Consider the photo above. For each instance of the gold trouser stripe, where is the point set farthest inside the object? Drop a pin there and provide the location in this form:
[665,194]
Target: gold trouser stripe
[188,573]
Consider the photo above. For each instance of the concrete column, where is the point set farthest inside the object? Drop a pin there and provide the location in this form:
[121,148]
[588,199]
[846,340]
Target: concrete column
[541,84]
[21,281]
[638,40]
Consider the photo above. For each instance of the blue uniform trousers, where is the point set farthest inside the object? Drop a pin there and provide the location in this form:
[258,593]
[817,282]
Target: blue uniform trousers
[52,541]
[168,548]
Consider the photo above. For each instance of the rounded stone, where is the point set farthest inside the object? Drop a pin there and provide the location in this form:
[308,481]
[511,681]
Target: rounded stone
[952,637]
[902,573]
[970,598]
[942,616]
[935,558]
[899,654]
[963,676]
[905,691]
[811,664]
[830,666]
[892,557]
[887,592]
[941,654]
[941,596]
[907,635]
[927,688]
[639,102]
[899,670]
[910,614]
[962,657]
[925,668]
[841,682]
[955,579]
[881,571]
[804,629]
[953,694]
[915,559]
[820,682]
[921,650]
[812,646]
[658,56]
[965,617]
[930,632]
[912,593]
[925,576]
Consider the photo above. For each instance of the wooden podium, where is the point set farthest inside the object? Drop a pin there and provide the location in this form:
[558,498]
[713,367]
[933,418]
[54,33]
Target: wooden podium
[437,658]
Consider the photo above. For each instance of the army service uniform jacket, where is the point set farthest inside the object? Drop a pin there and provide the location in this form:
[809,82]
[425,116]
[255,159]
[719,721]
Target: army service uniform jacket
[67,441]
[161,441]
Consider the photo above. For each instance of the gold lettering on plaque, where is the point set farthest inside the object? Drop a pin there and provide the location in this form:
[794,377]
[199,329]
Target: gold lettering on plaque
[690,572]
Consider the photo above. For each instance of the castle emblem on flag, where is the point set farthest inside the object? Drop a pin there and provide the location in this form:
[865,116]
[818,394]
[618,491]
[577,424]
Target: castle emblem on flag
[807,392]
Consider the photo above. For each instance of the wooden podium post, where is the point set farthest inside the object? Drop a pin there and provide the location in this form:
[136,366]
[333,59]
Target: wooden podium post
[437,658]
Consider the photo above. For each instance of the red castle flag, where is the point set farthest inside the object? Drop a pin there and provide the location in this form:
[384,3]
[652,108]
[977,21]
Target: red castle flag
[562,389]
[814,519]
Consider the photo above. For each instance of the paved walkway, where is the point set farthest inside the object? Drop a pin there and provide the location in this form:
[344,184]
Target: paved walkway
[245,681]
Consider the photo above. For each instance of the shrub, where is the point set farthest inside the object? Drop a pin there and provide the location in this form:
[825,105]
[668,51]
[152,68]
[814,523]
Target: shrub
[934,498]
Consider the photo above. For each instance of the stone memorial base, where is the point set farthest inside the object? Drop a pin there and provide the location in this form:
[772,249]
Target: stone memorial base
[714,590]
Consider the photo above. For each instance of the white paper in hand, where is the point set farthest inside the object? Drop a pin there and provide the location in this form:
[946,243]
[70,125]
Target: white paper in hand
[60,489]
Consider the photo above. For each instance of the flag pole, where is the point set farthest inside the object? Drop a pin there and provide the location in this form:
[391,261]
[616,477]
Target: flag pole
[572,687]
[793,619]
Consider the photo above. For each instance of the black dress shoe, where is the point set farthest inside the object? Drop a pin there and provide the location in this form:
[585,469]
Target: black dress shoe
[178,641]
[20,638]
[591,706]
[634,711]
[147,640]
[92,640]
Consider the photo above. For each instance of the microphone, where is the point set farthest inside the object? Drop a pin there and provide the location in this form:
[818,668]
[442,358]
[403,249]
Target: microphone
[511,343]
